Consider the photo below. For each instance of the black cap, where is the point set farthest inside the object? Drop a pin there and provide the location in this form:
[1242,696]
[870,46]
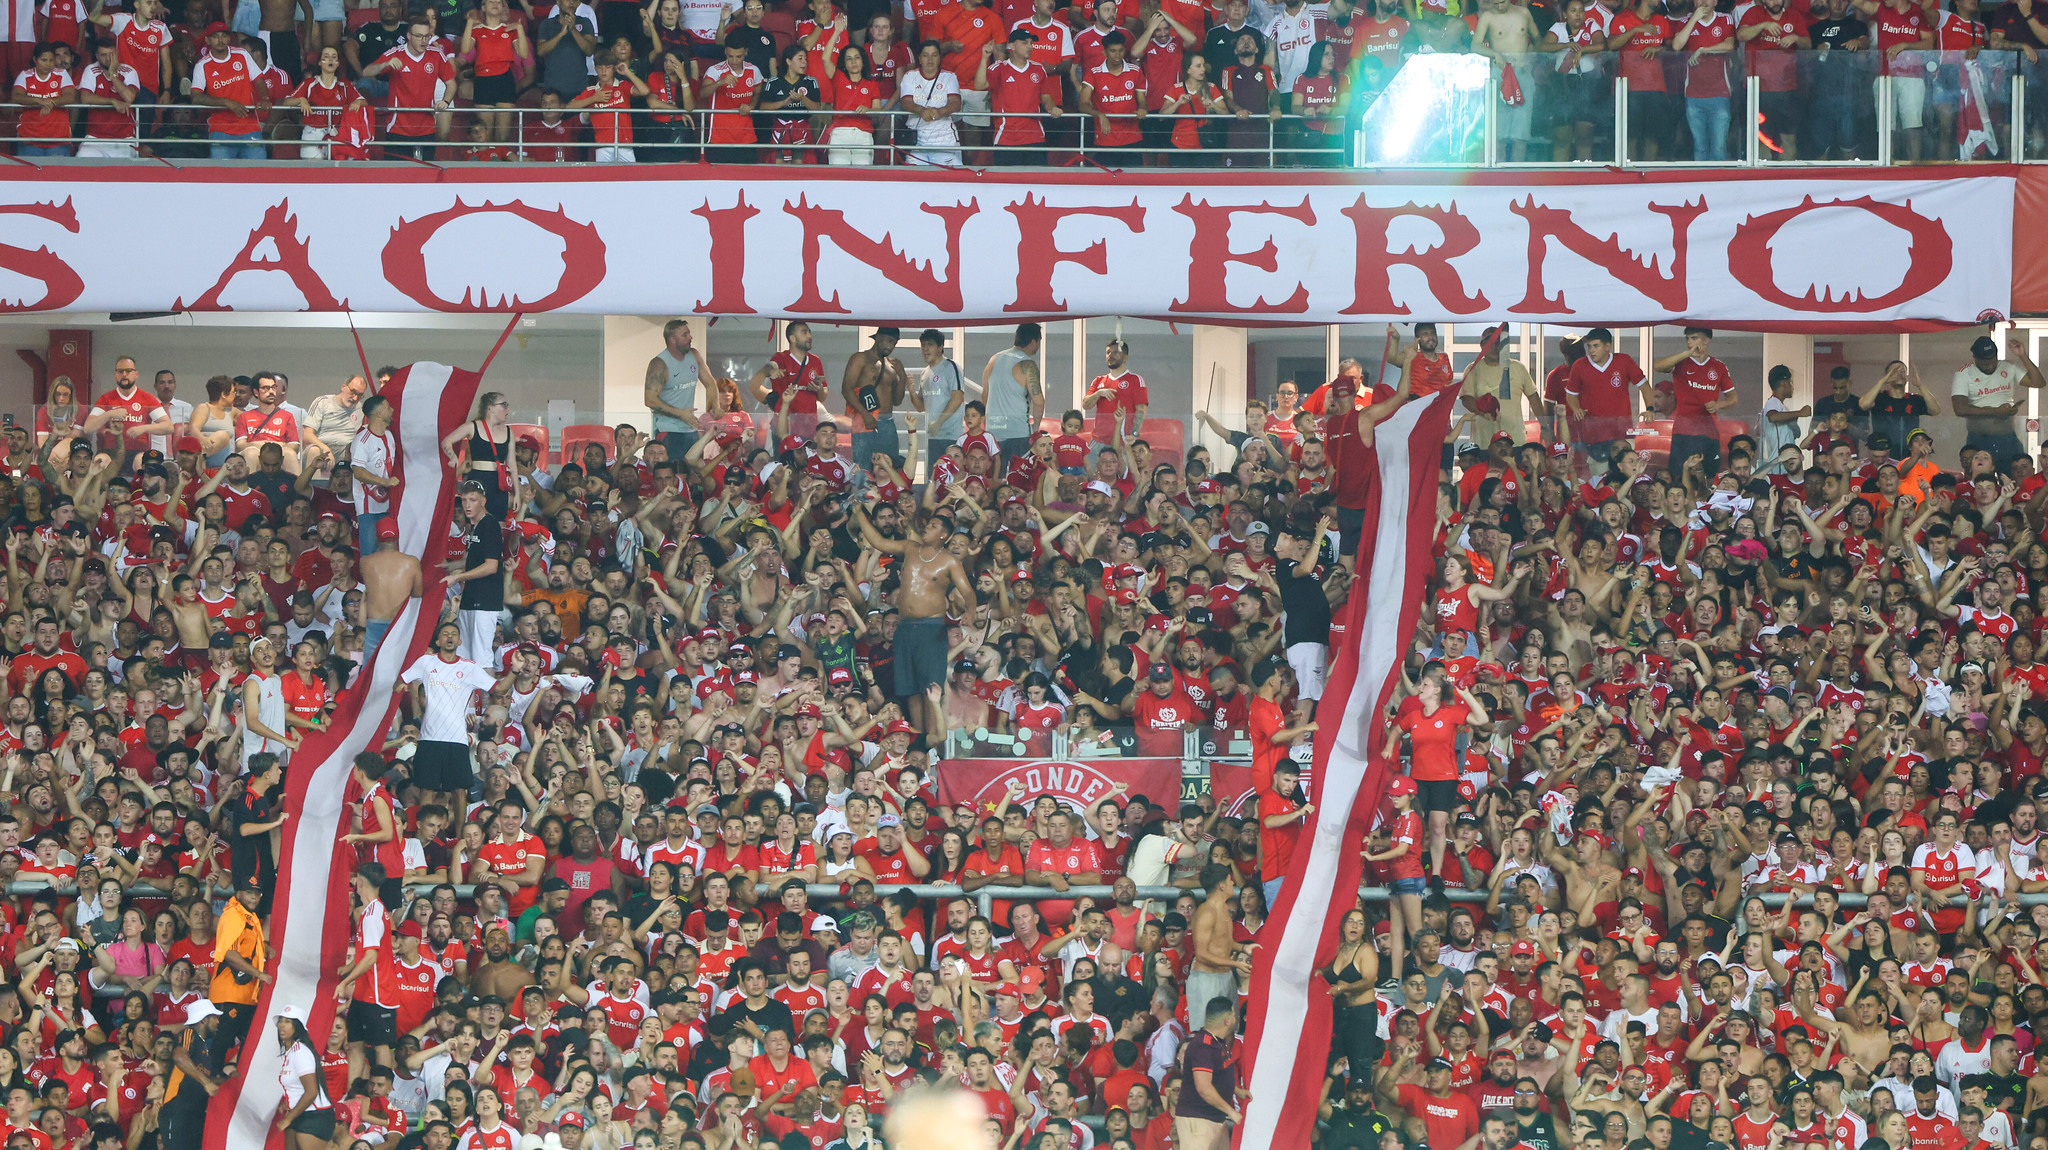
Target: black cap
[221,639]
[248,883]
[1161,672]
[1984,347]
[553,883]
[1017,34]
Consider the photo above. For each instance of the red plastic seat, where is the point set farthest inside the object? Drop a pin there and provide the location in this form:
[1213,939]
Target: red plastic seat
[1168,439]
[537,430]
[576,435]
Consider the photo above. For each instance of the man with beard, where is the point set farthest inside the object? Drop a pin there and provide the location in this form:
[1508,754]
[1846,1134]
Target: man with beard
[196,1075]
[1352,1122]
[1495,1090]
[499,977]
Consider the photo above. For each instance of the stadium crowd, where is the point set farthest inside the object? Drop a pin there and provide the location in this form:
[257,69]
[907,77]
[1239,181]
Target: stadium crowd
[682,683]
[1155,82]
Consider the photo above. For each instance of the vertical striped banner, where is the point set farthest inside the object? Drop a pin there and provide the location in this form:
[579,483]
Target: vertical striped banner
[1288,1038]
[310,909]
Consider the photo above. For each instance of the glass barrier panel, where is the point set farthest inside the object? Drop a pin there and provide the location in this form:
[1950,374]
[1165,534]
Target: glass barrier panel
[1952,105]
[1432,110]
[2033,73]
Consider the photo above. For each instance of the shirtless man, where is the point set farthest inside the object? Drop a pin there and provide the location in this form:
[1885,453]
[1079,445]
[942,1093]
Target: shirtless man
[931,580]
[281,29]
[1507,33]
[1589,880]
[1861,1030]
[873,384]
[1216,966]
[391,579]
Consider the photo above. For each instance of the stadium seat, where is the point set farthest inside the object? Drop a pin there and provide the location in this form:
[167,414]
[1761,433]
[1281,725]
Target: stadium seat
[576,435]
[1168,439]
[537,430]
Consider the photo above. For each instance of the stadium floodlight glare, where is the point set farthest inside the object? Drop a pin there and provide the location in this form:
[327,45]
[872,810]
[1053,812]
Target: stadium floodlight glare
[1426,106]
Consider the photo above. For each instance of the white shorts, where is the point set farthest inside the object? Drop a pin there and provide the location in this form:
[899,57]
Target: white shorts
[973,109]
[314,147]
[1909,99]
[850,147]
[1310,662]
[615,155]
[479,636]
[108,149]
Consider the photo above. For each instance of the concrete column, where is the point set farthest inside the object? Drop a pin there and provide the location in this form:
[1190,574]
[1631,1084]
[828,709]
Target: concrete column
[1221,355]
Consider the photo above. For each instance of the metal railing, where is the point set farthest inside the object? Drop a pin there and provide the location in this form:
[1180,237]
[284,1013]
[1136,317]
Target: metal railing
[1624,108]
[641,135]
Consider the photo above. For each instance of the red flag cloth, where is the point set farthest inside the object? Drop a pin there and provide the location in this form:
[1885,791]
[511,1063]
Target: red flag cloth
[1510,87]
[310,911]
[354,131]
[1288,1039]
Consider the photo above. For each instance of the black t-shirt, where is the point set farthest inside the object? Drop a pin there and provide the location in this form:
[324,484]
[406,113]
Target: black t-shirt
[276,486]
[1912,403]
[249,855]
[761,51]
[1220,46]
[781,89]
[1834,34]
[1301,596]
[484,542]
[769,1015]
[374,39]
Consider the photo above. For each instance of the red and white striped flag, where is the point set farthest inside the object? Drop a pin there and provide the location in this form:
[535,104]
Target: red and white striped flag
[310,909]
[1288,1041]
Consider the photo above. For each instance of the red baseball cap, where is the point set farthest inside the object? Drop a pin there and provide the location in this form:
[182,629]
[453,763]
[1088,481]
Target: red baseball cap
[1401,785]
[387,528]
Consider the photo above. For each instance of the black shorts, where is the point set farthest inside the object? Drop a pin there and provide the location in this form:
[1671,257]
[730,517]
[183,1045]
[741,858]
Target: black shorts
[442,767]
[1350,529]
[1436,795]
[498,89]
[1781,111]
[920,655]
[372,1025]
[319,1123]
[1649,112]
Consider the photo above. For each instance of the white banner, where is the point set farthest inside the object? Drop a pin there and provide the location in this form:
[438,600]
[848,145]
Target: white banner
[1812,250]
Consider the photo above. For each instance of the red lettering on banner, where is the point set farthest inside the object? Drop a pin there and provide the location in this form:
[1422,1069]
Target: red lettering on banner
[583,251]
[281,228]
[1210,256]
[61,284]
[1930,255]
[916,278]
[1038,255]
[1373,292]
[728,256]
[1547,223]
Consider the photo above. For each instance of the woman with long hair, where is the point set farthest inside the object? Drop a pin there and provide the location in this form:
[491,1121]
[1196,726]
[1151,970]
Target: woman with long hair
[491,459]
[60,414]
[856,96]
[306,1113]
